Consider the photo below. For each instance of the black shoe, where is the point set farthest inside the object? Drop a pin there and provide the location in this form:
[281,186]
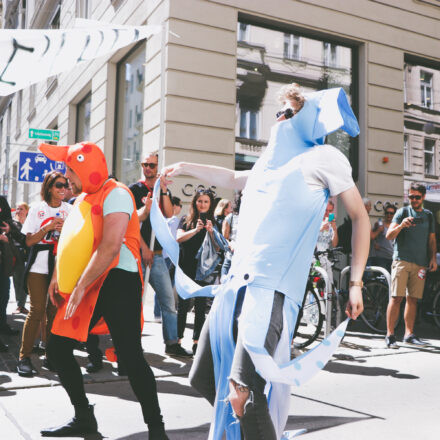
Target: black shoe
[48,365]
[25,368]
[177,350]
[391,342]
[194,349]
[412,339]
[84,422]
[3,347]
[121,370]
[94,366]
[6,330]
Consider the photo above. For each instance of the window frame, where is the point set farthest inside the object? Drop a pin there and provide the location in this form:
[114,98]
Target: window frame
[432,153]
[424,85]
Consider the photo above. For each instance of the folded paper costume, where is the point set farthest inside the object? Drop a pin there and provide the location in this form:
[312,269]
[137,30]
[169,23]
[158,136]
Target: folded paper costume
[82,233]
[281,212]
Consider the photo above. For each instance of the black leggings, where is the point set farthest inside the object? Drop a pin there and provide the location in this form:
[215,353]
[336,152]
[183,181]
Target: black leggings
[119,303]
[199,318]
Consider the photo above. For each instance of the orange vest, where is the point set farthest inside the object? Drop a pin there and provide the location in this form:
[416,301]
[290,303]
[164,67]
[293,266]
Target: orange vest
[80,237]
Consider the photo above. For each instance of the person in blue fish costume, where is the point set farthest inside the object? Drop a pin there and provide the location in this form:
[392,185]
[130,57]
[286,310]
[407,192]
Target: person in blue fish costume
[243,366]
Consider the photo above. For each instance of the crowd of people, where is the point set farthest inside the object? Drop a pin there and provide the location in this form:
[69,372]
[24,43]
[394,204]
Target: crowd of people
[90,282]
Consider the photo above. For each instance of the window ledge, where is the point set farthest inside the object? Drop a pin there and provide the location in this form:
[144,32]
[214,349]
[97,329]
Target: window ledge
[407,173]
[51,87]
[430,176]
[18,134]
[32,114]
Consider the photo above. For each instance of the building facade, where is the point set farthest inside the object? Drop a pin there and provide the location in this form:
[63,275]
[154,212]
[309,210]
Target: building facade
[205,89]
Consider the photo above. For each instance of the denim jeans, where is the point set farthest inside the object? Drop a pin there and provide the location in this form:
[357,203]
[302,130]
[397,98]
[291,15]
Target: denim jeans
[161,283]
[4,296]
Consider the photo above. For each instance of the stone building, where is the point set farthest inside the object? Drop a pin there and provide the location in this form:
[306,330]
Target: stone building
[205,89]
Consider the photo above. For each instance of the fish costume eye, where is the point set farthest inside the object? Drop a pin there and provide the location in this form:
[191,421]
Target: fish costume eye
[80,158]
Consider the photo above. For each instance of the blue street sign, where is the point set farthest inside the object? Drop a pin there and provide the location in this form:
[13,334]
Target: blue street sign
[34,166]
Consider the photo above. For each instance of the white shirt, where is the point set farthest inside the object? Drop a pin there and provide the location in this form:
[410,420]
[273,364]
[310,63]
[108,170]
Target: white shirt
[41,214]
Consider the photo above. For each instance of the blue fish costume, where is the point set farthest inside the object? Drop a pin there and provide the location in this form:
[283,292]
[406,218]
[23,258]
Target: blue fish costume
[280,218]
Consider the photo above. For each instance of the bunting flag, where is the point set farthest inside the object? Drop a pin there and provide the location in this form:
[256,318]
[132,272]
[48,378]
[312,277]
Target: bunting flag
[28,56]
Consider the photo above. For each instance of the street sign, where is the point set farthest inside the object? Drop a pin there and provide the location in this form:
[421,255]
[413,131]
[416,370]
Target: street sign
[47,135]
[34,166]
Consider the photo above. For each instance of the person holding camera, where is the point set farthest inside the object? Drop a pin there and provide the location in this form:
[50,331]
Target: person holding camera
[190,235]
[413,230]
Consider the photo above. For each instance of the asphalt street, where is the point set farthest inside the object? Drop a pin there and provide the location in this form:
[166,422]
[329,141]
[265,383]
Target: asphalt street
[365,392]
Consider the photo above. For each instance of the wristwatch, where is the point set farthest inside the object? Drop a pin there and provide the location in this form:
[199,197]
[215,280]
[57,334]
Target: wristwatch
[167,193]
[356,283]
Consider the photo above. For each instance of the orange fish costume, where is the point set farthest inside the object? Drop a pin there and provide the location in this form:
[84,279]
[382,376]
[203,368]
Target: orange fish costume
[82,234]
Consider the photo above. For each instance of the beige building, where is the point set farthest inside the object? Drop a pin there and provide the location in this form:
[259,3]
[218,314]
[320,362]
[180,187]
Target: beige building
[206,89]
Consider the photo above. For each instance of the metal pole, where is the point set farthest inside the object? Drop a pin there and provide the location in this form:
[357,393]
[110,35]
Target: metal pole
[161,140]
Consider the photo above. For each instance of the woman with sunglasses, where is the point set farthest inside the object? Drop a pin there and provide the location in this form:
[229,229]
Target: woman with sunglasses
[190,235]
[382,249]
[42,229]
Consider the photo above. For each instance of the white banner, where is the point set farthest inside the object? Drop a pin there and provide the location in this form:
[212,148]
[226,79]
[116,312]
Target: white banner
[28,56]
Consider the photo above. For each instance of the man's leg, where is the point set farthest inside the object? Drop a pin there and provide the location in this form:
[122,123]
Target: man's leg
[416,285]
[122,301]
[4,299]
[20,294]
[60,354]
[161,283]
[399,280]
[95,354]
[247,396]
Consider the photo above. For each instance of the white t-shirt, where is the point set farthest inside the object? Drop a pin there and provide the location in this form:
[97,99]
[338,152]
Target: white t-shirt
[41,214]
[324,166]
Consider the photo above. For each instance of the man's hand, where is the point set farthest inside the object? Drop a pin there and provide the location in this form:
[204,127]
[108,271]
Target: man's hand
[164,182]
[355,304]
[56,299]
[173,170]
[74,300]
[433,265]
[144,212]
[147,256]
[4,238]
[407,222]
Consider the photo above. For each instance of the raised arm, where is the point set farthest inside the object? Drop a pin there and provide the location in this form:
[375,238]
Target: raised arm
[360,244]
[212,174]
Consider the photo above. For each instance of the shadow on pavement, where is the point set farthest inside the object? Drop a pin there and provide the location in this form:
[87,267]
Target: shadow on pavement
[316,423]
[196,433]
[5,379]
[335,367]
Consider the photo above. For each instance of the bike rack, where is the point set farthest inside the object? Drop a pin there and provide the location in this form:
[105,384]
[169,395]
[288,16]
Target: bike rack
[379,269]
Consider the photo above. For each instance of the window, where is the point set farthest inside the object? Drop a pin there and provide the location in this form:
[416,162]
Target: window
[129,118]
[84,8]
[426,89]
[292,49]
[83,111]
[330,53]
[54,22]
[429,157]
[32,93]
[249,124]
[406,163]
[265,64]
[243,32]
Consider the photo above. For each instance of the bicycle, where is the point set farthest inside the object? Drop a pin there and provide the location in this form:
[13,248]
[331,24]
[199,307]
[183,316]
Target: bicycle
[375,294]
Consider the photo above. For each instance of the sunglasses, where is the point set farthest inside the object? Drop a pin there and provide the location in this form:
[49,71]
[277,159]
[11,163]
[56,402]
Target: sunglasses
[288,113]
[415,197]
[389,213]
[60,185]
[149,164]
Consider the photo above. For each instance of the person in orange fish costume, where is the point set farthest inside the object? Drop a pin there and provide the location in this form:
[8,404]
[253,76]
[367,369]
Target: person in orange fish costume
[97,286]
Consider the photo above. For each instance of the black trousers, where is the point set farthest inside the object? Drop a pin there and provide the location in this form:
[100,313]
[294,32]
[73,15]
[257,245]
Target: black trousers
[119,303]
[183,307]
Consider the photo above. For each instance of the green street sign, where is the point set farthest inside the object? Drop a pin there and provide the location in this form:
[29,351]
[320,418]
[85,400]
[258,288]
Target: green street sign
[47,135]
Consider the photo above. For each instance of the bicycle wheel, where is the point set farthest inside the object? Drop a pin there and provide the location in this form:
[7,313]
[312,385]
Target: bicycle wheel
[310,321]
[375,296]
[436,309]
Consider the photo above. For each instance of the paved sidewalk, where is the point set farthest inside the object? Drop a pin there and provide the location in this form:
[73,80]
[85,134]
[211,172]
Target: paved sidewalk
[366,391]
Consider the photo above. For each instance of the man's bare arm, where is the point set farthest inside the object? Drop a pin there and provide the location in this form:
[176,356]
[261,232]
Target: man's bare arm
[218,176]
[432,252]
[360,244]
